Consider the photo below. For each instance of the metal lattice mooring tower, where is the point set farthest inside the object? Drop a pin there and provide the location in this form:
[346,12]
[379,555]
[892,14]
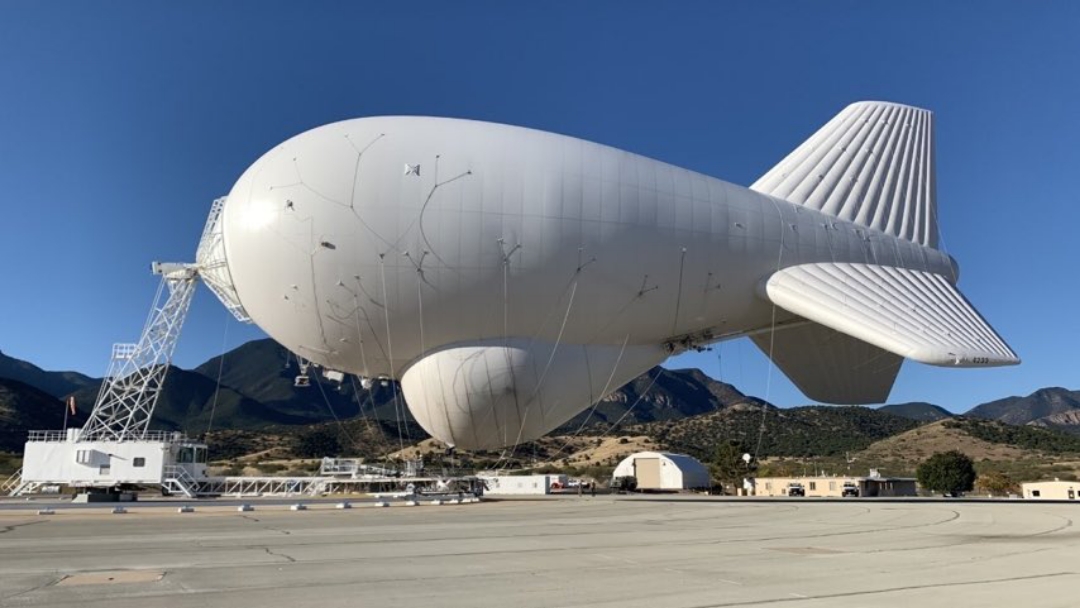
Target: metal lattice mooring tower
[137,371]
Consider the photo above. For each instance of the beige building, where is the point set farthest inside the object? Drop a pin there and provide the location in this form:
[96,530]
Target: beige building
[1052,490]
[834,486]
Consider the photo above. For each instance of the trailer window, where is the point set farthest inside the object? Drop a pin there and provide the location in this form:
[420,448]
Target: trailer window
[138,462]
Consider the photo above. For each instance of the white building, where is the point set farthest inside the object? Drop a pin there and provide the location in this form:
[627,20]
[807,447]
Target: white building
[1052,490]
[520,484]
[664,471]
[157,458]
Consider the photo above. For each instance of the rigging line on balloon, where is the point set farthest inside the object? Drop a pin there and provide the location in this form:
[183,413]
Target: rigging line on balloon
[772,342]
[341,426]
[315,289]
[640,293]
[420,281]
[678,294]
[419,266]
[506,336]
[363,361]
[363,415]
[571,285]
[390,351]
[547,366]
[356,166]
[221,369]
[562,329]
[423,210]
[356,178]
[612,319]
[648,388]
[678,300]
[588,373]
[494,410]
[603,393]
[506,349]
[367,318]
[331,200]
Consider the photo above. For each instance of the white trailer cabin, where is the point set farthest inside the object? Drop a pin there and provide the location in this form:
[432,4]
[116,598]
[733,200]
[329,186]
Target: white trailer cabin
[520,484]
[158,458]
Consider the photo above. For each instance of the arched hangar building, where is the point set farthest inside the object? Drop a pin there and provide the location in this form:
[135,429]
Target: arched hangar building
[664,471]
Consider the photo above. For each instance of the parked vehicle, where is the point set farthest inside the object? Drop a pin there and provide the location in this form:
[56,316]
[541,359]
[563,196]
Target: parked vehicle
[796,489]
[851,490]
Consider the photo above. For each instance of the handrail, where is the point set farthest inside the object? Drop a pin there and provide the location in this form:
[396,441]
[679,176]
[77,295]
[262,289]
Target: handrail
[12,481]
[60,436]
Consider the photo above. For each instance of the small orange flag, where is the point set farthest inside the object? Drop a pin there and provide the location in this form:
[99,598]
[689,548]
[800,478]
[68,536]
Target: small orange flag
[71,404]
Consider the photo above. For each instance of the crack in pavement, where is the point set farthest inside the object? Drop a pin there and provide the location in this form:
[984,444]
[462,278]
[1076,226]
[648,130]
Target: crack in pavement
[13,527]
[291,559]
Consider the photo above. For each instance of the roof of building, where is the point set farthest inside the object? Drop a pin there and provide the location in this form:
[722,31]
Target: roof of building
[838,477]
[681,460]
[1051,482]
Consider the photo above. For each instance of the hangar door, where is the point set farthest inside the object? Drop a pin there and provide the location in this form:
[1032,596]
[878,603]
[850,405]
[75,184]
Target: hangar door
[647,472]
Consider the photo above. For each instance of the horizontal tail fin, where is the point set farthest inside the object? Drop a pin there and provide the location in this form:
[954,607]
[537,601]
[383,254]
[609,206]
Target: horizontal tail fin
[911,313]
[873,164]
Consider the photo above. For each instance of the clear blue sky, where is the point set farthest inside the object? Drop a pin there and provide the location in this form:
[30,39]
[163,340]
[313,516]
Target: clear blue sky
[121,121]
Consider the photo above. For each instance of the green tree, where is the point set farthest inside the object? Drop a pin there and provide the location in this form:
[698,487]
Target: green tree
[729,468]
[949,473]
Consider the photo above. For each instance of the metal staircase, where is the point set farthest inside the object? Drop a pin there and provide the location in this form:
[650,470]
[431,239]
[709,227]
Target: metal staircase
[15,485]
[12,482]
[317,487]
[177,480]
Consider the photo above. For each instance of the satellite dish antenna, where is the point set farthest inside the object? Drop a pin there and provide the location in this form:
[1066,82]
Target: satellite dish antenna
[747,458]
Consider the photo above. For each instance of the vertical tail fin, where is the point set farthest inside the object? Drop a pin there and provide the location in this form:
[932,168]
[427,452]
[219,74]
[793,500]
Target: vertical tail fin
[873,164]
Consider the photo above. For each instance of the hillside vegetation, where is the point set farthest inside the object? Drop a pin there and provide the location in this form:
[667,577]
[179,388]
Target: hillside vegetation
[795,432]
[256,414]
[1024,437]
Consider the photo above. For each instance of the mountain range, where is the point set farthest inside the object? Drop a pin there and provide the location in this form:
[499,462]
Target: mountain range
[57,384]
[251,388]
[918,410]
